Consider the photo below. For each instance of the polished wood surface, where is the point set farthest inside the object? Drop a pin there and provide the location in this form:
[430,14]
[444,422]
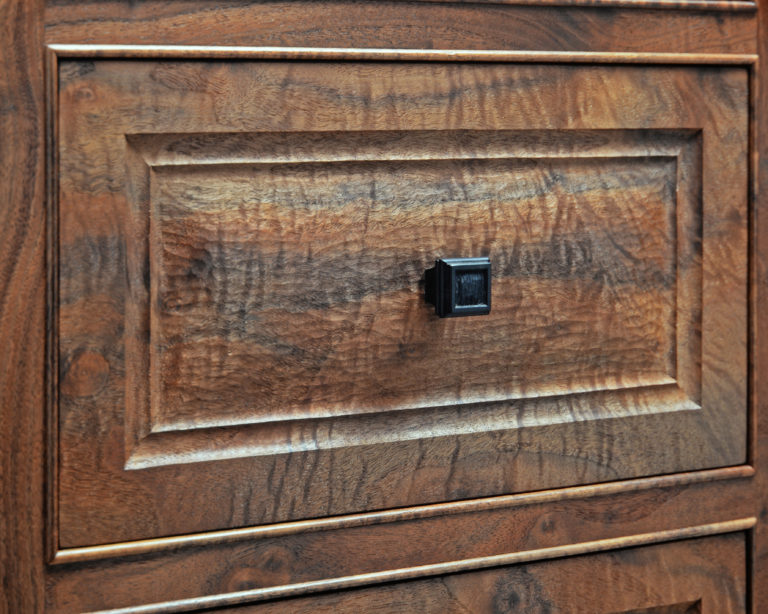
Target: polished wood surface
[167,506]
[22,308]
[634,581]
[403,25]
[249,565]
[280,286]
[759,433]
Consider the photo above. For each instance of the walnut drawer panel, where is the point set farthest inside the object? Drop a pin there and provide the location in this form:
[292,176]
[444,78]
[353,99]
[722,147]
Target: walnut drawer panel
[242,335]
[702,576]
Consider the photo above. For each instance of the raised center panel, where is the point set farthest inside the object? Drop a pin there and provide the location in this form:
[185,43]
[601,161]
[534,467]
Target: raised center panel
[243,333]
[294,289]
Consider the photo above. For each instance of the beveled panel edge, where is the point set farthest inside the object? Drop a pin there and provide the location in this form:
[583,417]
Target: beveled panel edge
[435,569]
[168,544]
[400,55]
[185,446]
[162,150]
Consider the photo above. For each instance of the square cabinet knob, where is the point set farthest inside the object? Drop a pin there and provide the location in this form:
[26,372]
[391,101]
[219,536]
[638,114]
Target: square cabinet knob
[459,287]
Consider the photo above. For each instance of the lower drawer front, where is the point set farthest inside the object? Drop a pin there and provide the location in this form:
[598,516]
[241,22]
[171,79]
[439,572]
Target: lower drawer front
[701,576]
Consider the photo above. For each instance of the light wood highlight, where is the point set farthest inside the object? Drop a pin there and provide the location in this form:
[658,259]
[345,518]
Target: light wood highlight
[635,581]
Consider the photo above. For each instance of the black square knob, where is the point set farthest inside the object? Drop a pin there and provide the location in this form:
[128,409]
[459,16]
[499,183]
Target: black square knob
[459,287]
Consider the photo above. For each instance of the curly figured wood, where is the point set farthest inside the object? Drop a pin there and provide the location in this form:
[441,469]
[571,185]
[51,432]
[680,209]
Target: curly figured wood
[403,25]
[104,316]
[22,307]
[296,291]
[242,244]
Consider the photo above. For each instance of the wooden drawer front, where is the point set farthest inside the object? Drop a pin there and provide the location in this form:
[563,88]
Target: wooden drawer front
[242,333]
[703,576]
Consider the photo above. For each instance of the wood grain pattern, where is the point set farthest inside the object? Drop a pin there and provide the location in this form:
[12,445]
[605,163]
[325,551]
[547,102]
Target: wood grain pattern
[628,581]
[396,25]
[100,245]
[759,321]
[207,52]
[713,5]
[442,569]
[632,581]
[22,308]
[350,147]
[691,607]
[621,31]
[280,289]
[676,484]
[268,559]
